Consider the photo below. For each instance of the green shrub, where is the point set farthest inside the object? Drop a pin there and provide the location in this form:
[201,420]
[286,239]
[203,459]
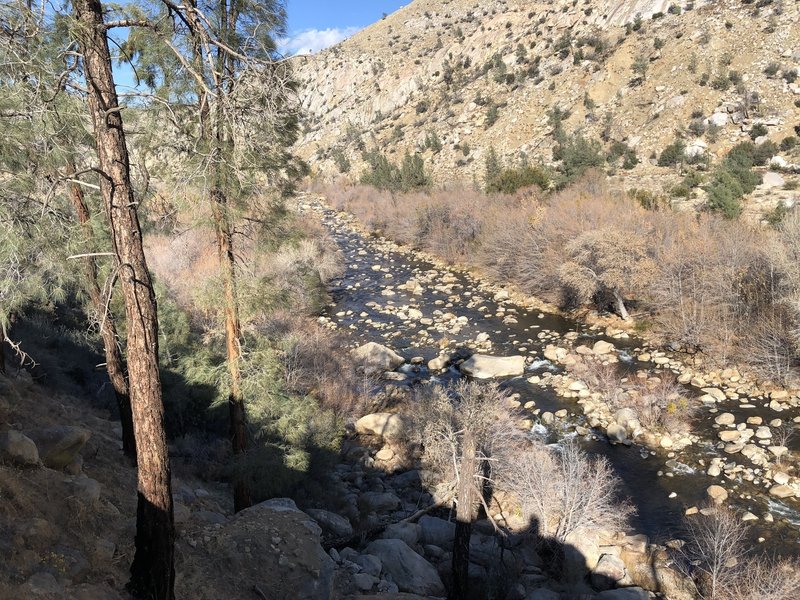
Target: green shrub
[788,143]
[772,69]
[341,160]
[384,175]
[673,154]
[433,143]
[758,130]
[577,155]
[724,194]
[509,181]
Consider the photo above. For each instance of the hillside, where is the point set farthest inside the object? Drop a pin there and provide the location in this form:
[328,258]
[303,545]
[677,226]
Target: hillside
[466,76]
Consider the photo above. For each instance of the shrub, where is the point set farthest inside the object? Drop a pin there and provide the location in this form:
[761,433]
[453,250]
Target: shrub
[341,160]
[788,143]
[577,154]
[509,181]
[758,130]
[724,194]
[673,154]
[772,69]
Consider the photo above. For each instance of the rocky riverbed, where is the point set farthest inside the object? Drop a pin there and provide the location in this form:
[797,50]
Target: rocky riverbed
[413,319]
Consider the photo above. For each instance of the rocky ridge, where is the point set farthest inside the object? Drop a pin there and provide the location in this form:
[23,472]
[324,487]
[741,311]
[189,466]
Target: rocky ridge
[479,75]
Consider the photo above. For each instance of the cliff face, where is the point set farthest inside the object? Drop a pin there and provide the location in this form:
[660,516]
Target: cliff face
[474,75]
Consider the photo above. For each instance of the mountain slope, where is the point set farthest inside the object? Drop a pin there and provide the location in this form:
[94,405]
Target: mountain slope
[471,75]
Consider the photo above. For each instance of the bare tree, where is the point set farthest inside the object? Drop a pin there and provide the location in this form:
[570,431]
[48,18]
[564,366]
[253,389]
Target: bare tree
[714,550]
[765,579]
[607,262]
[465,432]
[565,491]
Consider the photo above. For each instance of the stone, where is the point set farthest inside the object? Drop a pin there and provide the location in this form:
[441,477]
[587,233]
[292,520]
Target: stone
[58,446]
[773,180]
[378,502]
[484,366]
[778,162]
[387,425]
[364,581]
[781,491]
[369,564]
[270,542]
[609,570]
[408,570]
[408,532]
[18,449]
[715,393]
[436,531]
[695,148]
[384,454]
[725,419]
[717,494]
[720,119]
[86,489]
[616,434]
[333,525]
[438,364]
[376,358]
[601,348]
[729,435]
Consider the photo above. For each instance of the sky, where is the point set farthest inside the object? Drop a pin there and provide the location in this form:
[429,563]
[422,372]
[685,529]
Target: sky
[316,24]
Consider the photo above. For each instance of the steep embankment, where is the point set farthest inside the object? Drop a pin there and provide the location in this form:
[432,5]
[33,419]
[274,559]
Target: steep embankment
[450,79]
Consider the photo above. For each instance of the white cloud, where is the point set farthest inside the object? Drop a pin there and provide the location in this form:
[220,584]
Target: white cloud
[314,40]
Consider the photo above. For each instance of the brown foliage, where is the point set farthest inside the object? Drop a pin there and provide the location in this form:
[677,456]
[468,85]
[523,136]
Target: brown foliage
[724,288]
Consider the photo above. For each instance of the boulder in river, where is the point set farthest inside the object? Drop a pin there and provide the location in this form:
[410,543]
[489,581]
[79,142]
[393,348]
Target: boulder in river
[717,494]
[376,358]
[483,366]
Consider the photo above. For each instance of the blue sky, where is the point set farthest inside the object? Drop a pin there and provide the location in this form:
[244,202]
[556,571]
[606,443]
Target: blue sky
[317,24]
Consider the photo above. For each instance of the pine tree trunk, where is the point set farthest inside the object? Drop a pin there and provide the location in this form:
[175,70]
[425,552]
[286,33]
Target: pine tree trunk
[152,571]
[219,203]
[238,419]
[115,365]
[2,351]
[465,515]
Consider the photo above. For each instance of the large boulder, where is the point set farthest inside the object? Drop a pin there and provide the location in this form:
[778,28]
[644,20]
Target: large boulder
[409,571]
[379,502]
[375,358]
[333,525]
[717,494]
[609,570]
[483,366]
[436,531]
[59,446]
[387,425]
[18,449]
[272,547]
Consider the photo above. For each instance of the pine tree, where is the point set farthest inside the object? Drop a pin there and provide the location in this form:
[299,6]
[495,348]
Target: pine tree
[239,115]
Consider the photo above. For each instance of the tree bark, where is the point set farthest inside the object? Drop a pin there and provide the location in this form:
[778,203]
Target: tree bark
[115,364]
[623,312]
[238,419]
[153,570]
[465,515]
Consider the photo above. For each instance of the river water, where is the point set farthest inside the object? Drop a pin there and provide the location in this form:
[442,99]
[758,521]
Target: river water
[371,302]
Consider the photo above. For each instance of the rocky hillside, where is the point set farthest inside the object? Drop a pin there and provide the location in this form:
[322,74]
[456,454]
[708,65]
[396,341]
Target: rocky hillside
[450,78]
